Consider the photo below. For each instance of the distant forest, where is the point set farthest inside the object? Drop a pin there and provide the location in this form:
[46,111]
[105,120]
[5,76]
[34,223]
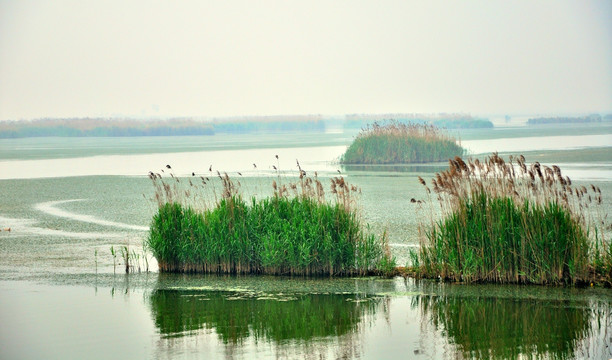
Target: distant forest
[593,118]
[442,120]
[114,127]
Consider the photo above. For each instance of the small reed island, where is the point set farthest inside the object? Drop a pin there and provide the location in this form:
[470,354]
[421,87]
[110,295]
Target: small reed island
[393,142]
[207,226]
[510,222]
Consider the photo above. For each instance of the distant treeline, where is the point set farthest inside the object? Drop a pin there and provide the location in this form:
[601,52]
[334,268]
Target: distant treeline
[277,123]
[115,127]
[442,120]
[567,120]
[98,127]
[178,126]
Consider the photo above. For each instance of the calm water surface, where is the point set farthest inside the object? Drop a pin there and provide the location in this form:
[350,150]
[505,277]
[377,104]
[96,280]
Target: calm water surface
[63,295]
[155,316]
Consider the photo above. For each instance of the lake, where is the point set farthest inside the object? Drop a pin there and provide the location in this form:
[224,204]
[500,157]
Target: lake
[64,295]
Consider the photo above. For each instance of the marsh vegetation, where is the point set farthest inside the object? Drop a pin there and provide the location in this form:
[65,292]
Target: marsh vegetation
[510,222]
[296,231]
[393,142]
[443,320]
[446,120]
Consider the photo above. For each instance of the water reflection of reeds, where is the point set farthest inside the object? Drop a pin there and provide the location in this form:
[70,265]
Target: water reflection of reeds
[238,316]
[509,328]
[398,168]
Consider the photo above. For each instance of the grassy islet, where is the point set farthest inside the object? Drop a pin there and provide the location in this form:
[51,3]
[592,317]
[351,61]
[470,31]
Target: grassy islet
[507,222]
[294,232]
[400,143]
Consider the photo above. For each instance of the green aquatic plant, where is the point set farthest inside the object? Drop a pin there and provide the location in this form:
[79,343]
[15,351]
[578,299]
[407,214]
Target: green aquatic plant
[114,254]
[132,259]
[399,143]
[294,232]
[507,222]
[125,254]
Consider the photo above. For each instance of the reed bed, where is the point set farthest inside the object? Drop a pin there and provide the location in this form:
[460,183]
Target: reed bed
[400,143]
[510,222]
[296,231]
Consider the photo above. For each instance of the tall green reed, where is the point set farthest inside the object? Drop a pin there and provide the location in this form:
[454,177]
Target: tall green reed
[394,142]
[507,222]
[296,231]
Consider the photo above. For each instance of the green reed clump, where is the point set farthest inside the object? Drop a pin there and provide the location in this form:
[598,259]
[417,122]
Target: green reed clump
[505,222]
[299,234]
[395,142]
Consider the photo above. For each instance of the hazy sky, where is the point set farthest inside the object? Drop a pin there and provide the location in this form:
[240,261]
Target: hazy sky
[217,58]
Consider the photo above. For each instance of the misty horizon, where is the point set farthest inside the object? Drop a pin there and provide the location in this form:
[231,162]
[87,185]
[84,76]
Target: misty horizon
[320,116]
[210,59]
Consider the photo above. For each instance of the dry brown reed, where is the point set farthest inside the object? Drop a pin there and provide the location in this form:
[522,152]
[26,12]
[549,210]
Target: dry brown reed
[414,130]
[533,183]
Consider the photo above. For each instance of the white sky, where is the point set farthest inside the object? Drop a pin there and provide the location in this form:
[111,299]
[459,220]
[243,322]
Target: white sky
[219,58]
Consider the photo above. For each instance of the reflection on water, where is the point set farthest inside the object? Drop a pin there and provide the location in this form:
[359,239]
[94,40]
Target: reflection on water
[332,325]
[399,168]
[508,328]
[311,325]
[236,316]
[144,316]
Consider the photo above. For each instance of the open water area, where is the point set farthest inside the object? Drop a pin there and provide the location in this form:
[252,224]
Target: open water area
[68,201]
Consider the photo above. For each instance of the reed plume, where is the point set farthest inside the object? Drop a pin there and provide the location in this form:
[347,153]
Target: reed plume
[296,231]
[394,142]
[510,222]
